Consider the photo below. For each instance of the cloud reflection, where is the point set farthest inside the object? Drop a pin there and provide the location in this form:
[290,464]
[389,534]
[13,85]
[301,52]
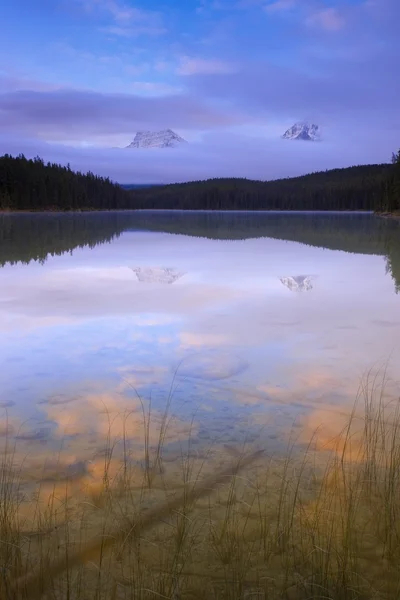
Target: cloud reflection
[228,325]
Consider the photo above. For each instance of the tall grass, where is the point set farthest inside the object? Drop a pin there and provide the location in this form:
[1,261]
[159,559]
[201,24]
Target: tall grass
[223,524]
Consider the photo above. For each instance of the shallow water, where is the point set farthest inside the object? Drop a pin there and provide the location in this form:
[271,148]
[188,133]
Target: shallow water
[253,325]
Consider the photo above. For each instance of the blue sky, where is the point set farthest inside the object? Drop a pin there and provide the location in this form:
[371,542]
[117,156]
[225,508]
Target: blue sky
[78,78]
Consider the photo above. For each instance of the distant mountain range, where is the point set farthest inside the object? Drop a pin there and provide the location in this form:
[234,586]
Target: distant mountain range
[166,138]
[303,131]
[157,139]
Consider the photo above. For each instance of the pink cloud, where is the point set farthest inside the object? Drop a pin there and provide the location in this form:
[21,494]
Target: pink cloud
[328,19]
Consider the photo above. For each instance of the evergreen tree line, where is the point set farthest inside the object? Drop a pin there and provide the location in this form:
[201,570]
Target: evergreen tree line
[369,187]
[30,184]
[391,198]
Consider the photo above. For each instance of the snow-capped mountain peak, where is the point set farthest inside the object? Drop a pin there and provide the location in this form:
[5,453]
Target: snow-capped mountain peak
[156,139]
[303,131]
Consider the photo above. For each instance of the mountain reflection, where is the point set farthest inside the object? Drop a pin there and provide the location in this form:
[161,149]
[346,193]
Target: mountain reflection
[36,237]
[298,283]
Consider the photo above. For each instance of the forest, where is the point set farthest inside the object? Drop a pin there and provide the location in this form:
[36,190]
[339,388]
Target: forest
[32,185]
[367,187]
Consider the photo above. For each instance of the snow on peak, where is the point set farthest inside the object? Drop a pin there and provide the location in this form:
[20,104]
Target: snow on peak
[156,139]
[302,131]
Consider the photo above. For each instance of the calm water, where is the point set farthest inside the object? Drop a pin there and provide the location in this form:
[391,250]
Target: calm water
[251,324]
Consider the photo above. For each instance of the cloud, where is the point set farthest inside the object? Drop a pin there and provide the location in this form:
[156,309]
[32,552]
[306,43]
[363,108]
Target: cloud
[355,84]
[193,66]
[154,88]
[126,14]
[279,6]
[335,91]
[73,114]
[234,103]
[193,340]
[217,155]
[129,32]
[127,21]
[328,19]
[11,82]
[119,12]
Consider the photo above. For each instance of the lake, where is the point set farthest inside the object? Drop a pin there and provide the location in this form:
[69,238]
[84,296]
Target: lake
[251,327]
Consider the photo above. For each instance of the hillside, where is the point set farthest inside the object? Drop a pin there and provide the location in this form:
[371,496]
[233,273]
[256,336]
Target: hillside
[27,184]
[33,185]
[353,188]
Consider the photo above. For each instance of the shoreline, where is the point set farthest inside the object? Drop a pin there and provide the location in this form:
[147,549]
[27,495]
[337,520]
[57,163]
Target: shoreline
[182,210]
[388,215]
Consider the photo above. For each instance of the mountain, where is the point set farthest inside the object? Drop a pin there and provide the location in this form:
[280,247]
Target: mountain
[157,274]
[298,283]
[302,131]
[157,139]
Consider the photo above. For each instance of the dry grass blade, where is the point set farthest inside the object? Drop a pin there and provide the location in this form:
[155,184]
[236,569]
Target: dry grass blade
[32,585]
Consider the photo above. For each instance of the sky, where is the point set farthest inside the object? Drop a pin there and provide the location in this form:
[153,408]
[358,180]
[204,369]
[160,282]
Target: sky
[78,79]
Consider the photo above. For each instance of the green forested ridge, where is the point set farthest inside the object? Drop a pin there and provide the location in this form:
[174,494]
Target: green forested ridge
[366,187]
[27,184]
[392,192]
[33,185]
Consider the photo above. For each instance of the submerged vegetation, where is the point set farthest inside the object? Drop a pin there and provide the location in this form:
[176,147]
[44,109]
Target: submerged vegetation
[321,521]
[33,185]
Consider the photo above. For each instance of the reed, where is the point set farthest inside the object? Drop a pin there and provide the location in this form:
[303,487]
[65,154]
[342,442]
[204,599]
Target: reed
[223,523]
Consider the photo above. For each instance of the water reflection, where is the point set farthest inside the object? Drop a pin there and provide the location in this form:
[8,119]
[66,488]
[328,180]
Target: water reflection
[157,274]
[252,323]
[298,283]
[28,237]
